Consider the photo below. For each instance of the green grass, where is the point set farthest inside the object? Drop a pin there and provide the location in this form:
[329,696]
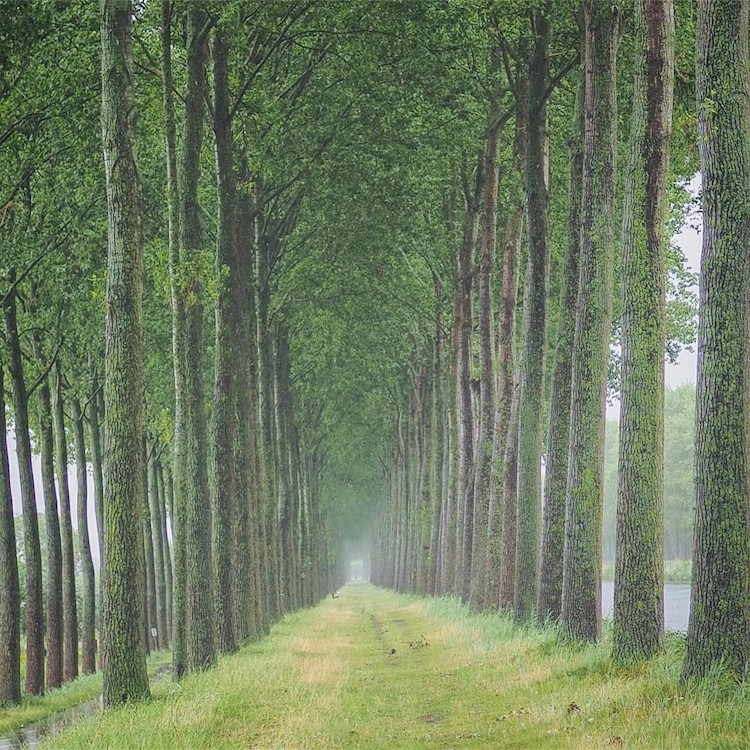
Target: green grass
[372,669]
[36,708]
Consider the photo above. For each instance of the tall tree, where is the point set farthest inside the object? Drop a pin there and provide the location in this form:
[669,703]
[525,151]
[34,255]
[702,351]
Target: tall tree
[558,431]
[720,604]
[125,676]
[639,566]
[10,600]
[54,623]
[70,611]
[193,521]
[224,500]
[33,578]
[581,602]
[88,591]
[534,335]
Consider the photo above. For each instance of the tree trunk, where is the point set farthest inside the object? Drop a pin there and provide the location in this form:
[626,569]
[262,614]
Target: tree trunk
[581,603]
[639,564]
[510,507]
[33,577]
[54,625]
[70,612]
[193,521]
[558,432]
[125,676]
[152,620]
[98,476]
[160,583]
[465,407]
[505,353]
[224,488]
[10,600]
[483,469]
[719,627]
[534,336]
[166,554]
[88,592]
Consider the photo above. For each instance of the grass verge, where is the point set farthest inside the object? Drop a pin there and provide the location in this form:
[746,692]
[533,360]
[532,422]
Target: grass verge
[36,708]
[373,669]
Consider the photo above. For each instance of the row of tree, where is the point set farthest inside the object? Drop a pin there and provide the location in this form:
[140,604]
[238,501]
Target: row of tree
[464,510]
[341,262]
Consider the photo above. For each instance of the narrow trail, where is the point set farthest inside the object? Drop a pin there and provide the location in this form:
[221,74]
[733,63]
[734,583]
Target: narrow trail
[372,669]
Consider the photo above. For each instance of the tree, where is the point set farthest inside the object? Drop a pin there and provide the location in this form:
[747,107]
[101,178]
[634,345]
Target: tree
[32,549]
[533,355]
[88,591]
[558,432]
[581,598]
[70,614]
[125,676]
[10,612]
[639,566]
[720,604]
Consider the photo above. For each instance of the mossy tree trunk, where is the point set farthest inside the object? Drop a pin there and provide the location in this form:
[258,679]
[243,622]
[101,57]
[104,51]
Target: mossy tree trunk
[485,443]
[125,676]
[88,591]
[719,626]
[506,326]
[34,684]
[10,599]
[224,496]
[465,494]
[155,512]
[70,605]
[581,599]
[639,564]
[558,432]
[196,614]
[534,335]
[152,621]
[54,623]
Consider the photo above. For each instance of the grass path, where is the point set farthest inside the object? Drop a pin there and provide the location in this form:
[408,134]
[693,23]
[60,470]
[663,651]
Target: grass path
[372,669]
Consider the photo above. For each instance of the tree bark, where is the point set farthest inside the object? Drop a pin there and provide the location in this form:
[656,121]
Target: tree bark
[54,624]
[506,325]
[125,676]
[195,614]
[719,626]
[639,563]
[224,488]
[88,592]
[581,601]
[160,583]
[558,432]
[70,607]
[485,443]
[34,684]
[534,336]
[10,599]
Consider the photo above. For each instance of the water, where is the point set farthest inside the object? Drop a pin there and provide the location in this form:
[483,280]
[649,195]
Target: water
[32,734]
[676,604]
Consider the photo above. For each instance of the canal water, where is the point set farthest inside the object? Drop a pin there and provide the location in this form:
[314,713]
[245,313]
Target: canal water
[676,604]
